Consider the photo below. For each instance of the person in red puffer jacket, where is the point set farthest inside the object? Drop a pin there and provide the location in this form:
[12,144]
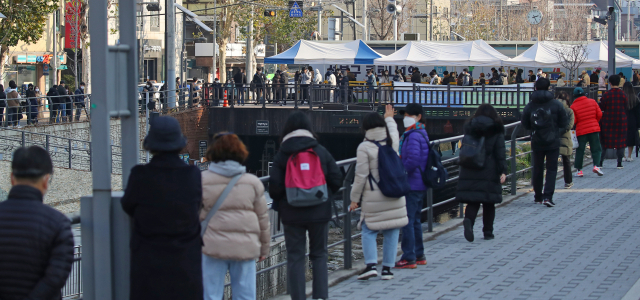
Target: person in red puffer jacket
[587,117]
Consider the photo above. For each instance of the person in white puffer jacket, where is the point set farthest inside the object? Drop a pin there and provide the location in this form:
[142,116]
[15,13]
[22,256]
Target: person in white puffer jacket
[379,213]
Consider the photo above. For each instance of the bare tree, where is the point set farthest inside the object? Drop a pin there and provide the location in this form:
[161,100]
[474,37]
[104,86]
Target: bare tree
[570,20]
[572,57]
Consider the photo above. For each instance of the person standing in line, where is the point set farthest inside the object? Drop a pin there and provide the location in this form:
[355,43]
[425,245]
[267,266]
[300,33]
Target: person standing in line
[258,81]
[379,212]
[614,120]
[445,78]
[240,79]
[164,198]
[32,105]
[37,244]
[539,74]
[519,75]
[54,107]
[547,119]
[298,136]
[602,81]
[532,77]
[415,76]
[3,104]
[623,79]
[483,186]
[41,103]
[482,80]
[398,76]
[331,78]
[13,104]
[633,117]
[593,78]
[79,101]
[587,115]
[566,144]
[434,78]
[63,102]
[284,89]
[276,87]
[371,85]
[345,89]
[385,89]
[560,82]
[586,79]
[239,231]
[305,82]
[512,77]
[414,150]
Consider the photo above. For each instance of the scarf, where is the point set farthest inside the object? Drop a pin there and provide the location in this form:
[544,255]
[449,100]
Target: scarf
[412,127]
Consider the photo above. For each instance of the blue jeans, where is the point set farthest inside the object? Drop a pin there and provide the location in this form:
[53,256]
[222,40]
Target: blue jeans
[62,113]
[412,246]
[389,248]
[243,278]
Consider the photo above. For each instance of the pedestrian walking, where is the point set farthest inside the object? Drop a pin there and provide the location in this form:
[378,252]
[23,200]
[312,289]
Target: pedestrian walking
[566,144]
[37,243]
[298,137]
[614,120]
[380,214]
[587,115]
[547,119]
[633,117]
[79,101]
[32,105]
[414,150]
[483,185]
[64,103]
[163,199]
[238,231]
[13,103]
[54,106]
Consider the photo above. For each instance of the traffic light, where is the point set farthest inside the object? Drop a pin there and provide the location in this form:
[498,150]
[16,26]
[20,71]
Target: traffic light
[269,13]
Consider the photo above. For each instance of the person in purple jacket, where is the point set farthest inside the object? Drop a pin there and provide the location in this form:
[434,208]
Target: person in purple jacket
[414,150]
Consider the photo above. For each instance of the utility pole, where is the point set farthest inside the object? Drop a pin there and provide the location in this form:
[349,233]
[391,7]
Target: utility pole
[215,33]
[170,52]
[249,64]
[320,20]
[431,20]
[612,37]
[628,20]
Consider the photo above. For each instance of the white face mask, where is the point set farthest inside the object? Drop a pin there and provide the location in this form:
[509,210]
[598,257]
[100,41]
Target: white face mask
[408,121]
[37,90]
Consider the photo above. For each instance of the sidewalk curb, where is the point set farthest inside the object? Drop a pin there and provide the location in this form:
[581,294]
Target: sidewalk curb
[342,274]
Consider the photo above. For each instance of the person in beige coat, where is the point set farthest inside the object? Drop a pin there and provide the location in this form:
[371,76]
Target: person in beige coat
[566,143]
[238,233]
[379,213]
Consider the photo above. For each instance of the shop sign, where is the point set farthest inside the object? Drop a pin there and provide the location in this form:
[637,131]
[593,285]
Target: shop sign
[21,59]
[40,59]
[31,59]
[72,24]
[45,69]
[62,67]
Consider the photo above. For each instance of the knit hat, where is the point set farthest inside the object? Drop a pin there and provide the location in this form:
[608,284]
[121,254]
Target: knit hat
[578,92]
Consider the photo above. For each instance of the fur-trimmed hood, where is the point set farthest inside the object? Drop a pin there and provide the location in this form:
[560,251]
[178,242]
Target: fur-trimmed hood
[483,126]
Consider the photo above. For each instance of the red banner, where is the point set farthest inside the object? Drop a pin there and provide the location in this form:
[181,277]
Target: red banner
[72,24]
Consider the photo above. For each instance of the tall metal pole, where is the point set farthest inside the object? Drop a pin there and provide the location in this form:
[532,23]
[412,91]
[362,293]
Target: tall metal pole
[365,32]
[249,64]
[320,21]
[215,33]
[431,20]
[54,61]
[612,40]
[628,20]
[170,50]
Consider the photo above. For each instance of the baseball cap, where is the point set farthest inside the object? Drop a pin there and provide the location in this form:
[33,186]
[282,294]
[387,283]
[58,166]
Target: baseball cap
[578,91]
[412,109]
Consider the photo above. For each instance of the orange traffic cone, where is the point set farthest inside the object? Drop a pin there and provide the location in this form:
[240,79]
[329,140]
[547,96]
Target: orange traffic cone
[226,103]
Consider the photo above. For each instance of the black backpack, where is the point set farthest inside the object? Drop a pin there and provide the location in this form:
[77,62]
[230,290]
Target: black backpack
[393,178]
[472,152]
[435,174]
[543,132]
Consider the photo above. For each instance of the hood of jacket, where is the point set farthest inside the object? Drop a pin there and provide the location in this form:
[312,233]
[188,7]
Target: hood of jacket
[541,96]
[376,134]
[9,90]
[483,126]
[227,168]
[298,140]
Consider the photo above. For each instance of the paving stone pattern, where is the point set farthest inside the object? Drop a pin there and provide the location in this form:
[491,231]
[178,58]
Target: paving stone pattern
[587,247]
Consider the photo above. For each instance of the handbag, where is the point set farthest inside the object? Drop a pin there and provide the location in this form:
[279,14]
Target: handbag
[574,139]
[204,224]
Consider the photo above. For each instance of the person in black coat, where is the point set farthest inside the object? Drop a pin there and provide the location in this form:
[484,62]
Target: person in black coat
[164,199]
[483,186]
[36,243]
[54,106]
[3,104]
[298,136]
[64,102]
[32,105]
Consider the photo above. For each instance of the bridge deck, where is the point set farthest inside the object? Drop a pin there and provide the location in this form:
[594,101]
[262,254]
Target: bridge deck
[587,247]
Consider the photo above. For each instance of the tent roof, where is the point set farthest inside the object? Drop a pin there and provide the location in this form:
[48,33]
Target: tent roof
[310,52]
[472,53]
[543,54]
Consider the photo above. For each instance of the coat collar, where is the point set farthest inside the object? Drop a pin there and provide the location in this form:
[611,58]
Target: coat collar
[376,134]
[167,160]
[25,192]
[298,133]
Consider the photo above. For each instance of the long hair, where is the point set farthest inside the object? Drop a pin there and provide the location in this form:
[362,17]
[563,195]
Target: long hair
[564,96]
[297,120]
[375,120]
[632,99]
[488,110]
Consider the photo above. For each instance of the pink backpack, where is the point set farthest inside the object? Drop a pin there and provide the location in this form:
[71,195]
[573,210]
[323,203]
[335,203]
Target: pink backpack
[304,180]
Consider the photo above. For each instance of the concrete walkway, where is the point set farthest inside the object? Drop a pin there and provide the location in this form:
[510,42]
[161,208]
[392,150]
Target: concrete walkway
[587,247]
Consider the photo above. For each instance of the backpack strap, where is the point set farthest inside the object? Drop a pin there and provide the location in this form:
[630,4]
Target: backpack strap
[370,177]
[214,209]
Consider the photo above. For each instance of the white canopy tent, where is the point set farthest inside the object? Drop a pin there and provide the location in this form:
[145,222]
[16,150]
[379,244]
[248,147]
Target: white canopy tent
[544,54]
[461,54]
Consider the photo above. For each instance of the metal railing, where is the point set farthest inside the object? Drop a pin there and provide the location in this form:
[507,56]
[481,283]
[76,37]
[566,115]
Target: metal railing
[73,287]
[65,152]
[45,109]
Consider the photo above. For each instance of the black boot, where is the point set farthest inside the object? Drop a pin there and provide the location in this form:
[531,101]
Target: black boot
[488,235]
[468,229]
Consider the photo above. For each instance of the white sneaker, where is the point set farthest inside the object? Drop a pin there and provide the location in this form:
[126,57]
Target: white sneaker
[630,159]
[624,158]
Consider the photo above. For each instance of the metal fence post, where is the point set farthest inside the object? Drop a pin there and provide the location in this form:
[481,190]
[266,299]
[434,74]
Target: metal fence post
[310,93]
[430,211]
[46,142]
[346,202]
[90,156]
[518,98]
[70,153]
[296,88]
[483,92]
[448,94]
[414,94]
[24,139]
[513,159]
